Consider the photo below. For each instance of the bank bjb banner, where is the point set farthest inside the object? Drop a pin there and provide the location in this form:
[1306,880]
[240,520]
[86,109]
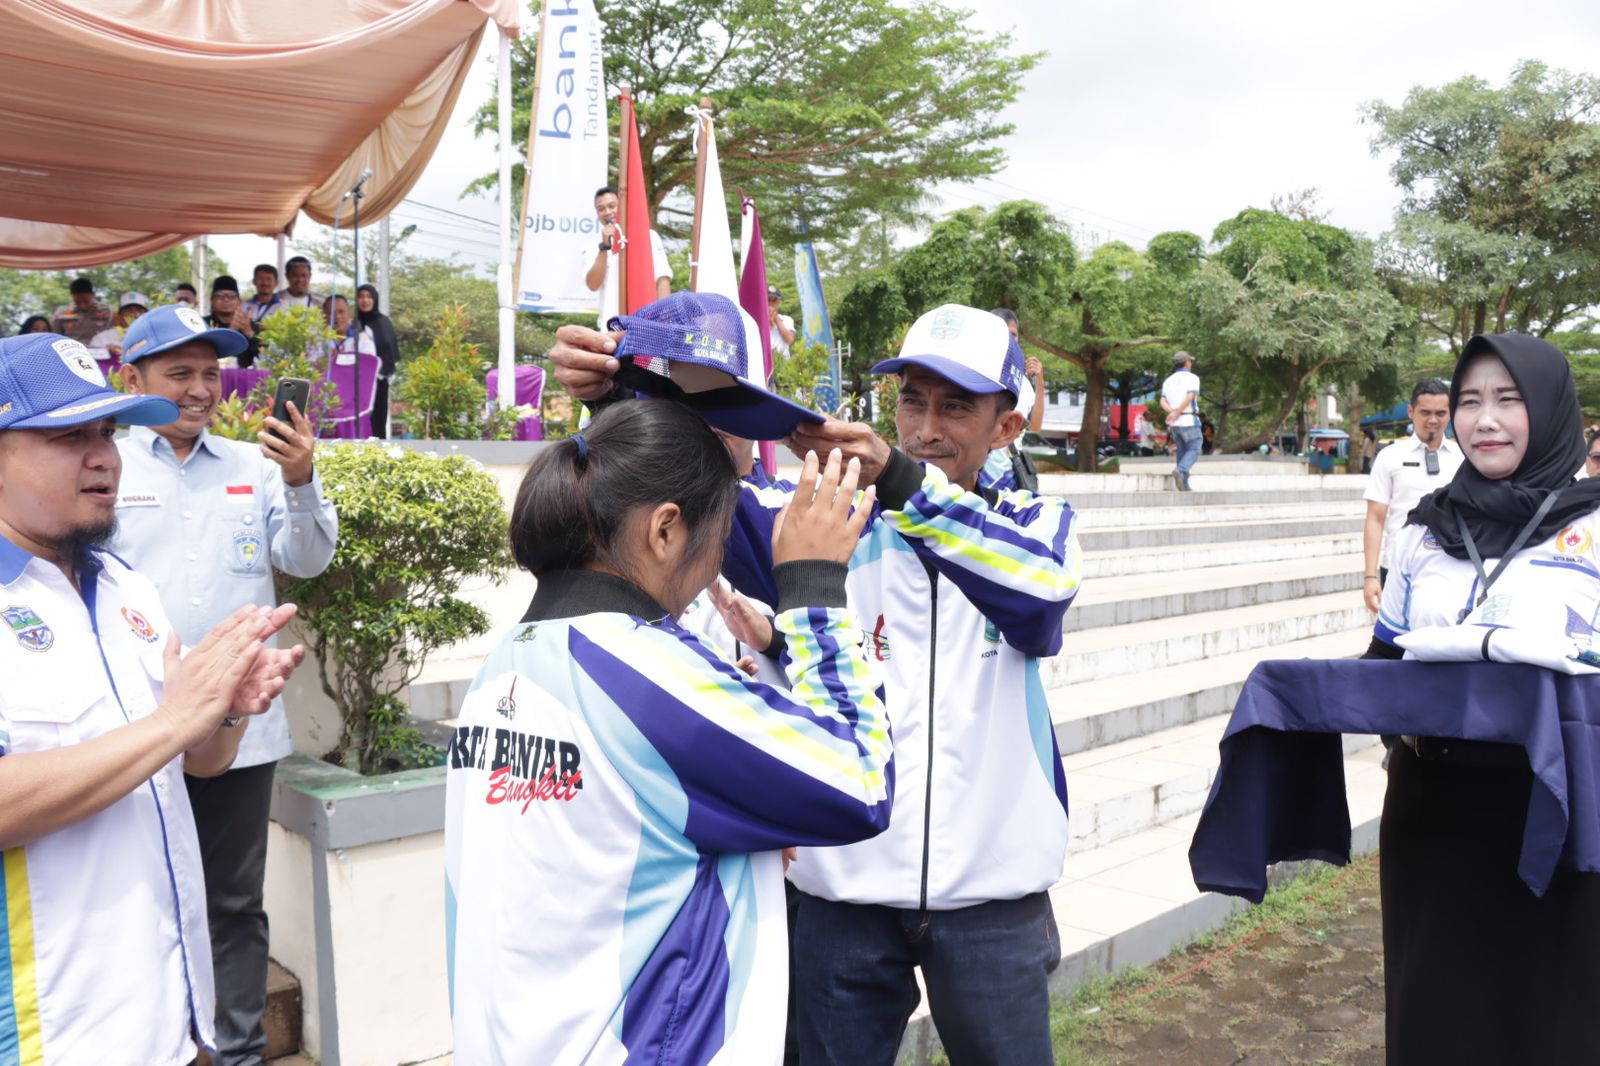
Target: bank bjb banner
[567,149]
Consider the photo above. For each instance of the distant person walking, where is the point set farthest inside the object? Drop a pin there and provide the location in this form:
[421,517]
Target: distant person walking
[1180,399]
[1402,474]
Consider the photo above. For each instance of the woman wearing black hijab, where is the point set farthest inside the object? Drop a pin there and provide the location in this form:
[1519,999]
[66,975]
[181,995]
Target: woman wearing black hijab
[388,348]
[1477,968]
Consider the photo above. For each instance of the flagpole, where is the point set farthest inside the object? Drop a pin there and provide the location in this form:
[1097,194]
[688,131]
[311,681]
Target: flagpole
[705,132]
[507,361]
[533,139]
[625,96]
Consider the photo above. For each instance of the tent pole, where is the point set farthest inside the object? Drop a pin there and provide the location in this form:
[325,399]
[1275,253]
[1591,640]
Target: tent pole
[507,390]
[283,255]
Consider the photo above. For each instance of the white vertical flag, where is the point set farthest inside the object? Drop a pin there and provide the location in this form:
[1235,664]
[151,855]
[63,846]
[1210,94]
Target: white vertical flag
[568,147]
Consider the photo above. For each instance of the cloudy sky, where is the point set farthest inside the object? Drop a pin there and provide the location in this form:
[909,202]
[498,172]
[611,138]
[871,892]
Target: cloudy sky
[1149,115]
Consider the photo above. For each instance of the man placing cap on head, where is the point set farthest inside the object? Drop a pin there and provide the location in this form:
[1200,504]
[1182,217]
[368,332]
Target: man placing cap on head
[130,307]
[207,520]
[228,313]
[960,592]
[107,956]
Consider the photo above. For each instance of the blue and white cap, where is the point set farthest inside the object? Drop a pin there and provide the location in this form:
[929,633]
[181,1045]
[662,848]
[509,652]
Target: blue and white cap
[174,324]
[693,347]
[50,381]
[964,345]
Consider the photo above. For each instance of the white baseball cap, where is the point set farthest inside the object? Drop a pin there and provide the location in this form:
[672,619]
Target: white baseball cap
[969,347]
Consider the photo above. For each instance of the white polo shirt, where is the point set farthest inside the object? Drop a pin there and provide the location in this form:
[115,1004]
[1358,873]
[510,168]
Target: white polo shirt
[104,952]
[1400,479]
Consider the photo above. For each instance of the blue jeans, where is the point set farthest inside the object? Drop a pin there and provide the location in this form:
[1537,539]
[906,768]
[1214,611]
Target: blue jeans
[986,967]
[1190,439]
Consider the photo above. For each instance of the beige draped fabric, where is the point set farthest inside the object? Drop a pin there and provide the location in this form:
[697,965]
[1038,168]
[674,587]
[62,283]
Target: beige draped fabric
[128,126]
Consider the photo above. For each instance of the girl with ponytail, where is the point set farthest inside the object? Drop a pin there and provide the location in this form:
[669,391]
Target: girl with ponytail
[617,793]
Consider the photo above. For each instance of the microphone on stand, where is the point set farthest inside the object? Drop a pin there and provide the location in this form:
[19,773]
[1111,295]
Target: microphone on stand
[354,331]
[356,188]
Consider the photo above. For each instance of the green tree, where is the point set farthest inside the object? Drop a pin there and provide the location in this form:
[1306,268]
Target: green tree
[1500,226]
[847,113]
[443,389]
[1285,306]
[1097,317]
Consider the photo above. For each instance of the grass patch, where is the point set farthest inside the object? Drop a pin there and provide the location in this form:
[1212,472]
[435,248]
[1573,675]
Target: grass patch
[1309,903]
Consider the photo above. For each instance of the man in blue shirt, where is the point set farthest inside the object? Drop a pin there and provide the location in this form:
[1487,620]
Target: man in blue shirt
[207,519]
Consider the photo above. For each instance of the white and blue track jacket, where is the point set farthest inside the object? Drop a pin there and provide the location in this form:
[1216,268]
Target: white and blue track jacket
[616,798]
[959,595]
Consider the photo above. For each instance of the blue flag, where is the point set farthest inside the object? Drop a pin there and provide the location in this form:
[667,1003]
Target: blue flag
[814,325]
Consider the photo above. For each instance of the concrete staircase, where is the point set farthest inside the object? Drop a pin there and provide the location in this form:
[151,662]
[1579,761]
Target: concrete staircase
[1184,593]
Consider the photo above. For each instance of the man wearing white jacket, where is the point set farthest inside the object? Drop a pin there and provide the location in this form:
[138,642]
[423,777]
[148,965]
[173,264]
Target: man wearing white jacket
[960,593]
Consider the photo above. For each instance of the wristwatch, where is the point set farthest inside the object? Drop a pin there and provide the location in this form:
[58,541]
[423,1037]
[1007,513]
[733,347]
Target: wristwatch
[605,245]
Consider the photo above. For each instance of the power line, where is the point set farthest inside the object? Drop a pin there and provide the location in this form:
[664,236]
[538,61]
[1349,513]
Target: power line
[454,214]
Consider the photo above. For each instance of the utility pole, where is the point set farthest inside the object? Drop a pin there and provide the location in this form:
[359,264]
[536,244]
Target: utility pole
[383,263]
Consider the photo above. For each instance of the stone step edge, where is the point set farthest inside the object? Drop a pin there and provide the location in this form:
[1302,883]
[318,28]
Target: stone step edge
[1080,642]
[1154,669]
[1146,605]
[1256,545]
[1139,538]
[1139,945]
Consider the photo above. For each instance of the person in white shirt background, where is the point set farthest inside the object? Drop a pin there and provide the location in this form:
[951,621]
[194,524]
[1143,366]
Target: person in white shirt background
[129,308]
[297,272]
[780,327]
[267,300]
[602,274]
[1180,396]
[1402,474]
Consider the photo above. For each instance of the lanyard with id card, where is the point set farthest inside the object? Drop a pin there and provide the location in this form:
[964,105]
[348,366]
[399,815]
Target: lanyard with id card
[1485,580]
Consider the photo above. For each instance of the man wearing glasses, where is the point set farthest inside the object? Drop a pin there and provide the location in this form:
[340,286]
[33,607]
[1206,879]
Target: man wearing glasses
[1402,474]
[228,313]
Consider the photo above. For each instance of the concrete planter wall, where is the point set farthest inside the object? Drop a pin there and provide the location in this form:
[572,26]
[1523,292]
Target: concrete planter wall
[355,893]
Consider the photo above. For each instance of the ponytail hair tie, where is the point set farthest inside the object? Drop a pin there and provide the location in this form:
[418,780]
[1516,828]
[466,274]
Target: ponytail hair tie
[583,446]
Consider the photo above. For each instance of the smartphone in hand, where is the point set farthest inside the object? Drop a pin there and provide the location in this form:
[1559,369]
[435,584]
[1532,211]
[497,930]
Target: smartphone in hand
[290,390]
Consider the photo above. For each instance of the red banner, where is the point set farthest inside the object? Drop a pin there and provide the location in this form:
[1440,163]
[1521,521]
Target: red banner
[639,287]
